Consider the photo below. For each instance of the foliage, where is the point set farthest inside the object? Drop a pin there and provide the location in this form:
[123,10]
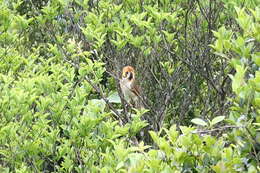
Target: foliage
[60,105]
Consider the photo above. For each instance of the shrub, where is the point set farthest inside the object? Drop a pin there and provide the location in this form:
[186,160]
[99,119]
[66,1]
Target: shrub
[198,62]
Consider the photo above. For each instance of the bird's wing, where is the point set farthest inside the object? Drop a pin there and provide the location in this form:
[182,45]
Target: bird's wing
[135,89]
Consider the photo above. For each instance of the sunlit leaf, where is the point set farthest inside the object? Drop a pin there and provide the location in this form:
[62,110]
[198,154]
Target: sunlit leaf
[217,119]
[114,98]
[199,121]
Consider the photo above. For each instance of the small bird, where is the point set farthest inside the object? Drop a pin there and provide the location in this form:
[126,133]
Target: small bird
[129,87]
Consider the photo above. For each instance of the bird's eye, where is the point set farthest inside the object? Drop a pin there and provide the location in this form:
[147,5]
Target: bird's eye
[126,73]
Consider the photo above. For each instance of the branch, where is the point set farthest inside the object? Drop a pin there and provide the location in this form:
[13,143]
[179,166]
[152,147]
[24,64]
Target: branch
[195,69]
[217,129]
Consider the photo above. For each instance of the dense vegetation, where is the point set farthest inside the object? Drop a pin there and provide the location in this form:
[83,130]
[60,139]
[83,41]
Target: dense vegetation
[61,107]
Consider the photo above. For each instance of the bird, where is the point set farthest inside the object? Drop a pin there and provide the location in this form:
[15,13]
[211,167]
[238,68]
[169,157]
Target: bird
[130,88]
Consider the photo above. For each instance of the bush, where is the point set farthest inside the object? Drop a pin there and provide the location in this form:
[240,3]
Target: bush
[198,63]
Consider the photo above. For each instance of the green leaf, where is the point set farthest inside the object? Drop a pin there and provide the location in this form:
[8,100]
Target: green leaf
[238,79]
[155,137]
[120,165]
[243,19]
[67,163]
[173,133]
[217,119]
[199,121]
[169,36]
[165,146]
[219,167]
[119,43]
[114,98]
[257,102]
[136,41]
[256,58]
[100,103]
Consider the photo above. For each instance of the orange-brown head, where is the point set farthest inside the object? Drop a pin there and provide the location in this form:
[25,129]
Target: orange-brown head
[128,72]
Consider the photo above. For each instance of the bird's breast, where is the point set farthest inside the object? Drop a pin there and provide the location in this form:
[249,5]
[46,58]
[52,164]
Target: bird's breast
[126,89]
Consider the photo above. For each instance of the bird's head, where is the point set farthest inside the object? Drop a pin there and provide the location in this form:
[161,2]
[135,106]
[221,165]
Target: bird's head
[128,73]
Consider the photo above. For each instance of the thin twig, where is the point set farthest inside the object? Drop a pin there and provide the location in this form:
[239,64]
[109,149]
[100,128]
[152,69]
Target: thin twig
[250,140]
[190,66]
[216,129]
